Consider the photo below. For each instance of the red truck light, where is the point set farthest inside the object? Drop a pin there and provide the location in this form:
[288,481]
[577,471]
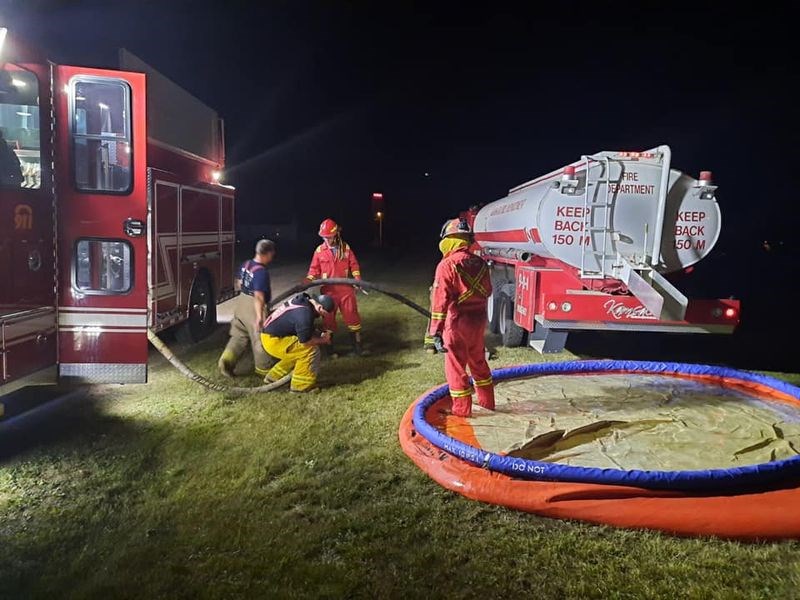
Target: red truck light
[728,313]
[636,155]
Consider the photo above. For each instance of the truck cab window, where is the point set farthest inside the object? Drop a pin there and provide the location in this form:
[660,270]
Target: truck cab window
[103,266]
[20,163]
[101,133]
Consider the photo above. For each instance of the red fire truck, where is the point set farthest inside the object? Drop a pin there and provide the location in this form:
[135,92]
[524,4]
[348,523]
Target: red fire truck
[113,219]
[590,246]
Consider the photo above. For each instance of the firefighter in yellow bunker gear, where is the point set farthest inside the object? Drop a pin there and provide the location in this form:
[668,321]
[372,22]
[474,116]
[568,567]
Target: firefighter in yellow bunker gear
[289,335]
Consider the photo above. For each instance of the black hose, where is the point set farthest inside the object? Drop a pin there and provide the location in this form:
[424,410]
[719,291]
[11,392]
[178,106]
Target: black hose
[354,282]
[218,387]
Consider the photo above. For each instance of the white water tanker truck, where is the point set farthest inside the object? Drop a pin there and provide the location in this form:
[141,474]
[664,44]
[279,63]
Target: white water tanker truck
[588,246]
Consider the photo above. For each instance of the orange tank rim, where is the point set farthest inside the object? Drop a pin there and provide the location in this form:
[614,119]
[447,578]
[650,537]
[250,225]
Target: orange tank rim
[742,511]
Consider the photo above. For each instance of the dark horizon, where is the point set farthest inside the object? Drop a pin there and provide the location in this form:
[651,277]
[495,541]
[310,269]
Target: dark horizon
[326,103]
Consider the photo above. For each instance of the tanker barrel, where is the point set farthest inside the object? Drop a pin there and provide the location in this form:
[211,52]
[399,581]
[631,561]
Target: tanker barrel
[624,205]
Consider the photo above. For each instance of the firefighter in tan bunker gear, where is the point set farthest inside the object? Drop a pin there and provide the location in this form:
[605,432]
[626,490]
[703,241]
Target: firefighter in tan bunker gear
[250,312]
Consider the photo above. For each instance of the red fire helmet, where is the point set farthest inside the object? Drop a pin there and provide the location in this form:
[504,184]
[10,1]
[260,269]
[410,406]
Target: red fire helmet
[328,228]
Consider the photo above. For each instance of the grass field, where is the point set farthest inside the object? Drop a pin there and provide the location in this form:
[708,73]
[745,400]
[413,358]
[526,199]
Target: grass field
[167,490]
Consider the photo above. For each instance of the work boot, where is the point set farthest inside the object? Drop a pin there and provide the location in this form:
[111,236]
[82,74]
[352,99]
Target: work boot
[311,390]
[225,368]
[358,348]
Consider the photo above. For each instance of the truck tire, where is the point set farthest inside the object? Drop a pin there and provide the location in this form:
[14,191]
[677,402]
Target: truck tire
[512,334]
[493,306]
[202,312]
[493,312]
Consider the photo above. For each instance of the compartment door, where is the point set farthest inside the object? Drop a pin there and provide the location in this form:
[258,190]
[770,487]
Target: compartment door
[101,190]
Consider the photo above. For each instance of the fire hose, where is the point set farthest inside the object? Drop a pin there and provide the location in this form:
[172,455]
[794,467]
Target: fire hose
[218,387]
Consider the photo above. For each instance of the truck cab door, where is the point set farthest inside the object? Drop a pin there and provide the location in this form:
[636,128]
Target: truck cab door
[101,198]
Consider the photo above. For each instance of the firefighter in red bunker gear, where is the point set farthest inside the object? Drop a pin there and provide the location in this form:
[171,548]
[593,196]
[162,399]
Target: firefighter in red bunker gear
[335,259]
[461,288]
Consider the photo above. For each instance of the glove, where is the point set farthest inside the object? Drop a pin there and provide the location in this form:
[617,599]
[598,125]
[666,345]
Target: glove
[438,343]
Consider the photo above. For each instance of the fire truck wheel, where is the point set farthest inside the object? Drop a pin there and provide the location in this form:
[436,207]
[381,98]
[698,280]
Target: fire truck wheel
[202,312]
[493,312]
[512,334]
[499,282]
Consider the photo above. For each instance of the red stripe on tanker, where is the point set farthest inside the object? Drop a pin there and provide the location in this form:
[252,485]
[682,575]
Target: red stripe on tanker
[544,218]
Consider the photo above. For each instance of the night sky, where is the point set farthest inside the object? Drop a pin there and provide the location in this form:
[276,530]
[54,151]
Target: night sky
[326,102]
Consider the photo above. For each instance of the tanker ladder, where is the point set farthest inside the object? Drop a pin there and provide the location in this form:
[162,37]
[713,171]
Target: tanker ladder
[598,261]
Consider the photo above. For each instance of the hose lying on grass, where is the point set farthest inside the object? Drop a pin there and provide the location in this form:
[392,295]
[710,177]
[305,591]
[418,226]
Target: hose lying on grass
[197,378]
[218,387]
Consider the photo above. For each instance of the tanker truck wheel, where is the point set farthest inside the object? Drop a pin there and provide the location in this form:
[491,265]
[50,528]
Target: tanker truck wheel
[493,312]
[512,334]
[499,283]
[202,312]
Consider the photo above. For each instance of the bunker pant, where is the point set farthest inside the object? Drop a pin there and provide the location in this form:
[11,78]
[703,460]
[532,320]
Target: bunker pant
[293,357]
[345,298]
[427,341]
[245,332]
[463,338]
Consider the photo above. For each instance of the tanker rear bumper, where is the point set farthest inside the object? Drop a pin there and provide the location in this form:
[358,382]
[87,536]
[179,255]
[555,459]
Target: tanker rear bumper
[661,327]
[626,313]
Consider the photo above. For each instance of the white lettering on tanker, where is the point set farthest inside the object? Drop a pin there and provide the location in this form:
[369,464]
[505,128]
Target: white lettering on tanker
[625,187]
[619,310]
[685,234]
[507,208]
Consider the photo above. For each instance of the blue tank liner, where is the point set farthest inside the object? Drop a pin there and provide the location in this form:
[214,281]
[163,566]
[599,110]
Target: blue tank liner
[766,474]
